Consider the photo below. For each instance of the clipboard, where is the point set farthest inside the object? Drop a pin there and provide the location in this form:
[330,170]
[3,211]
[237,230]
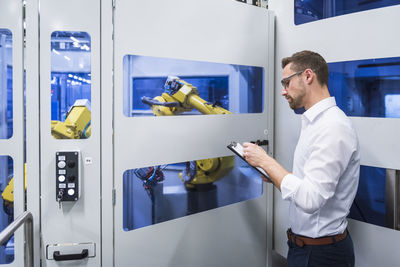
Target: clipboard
[237,148]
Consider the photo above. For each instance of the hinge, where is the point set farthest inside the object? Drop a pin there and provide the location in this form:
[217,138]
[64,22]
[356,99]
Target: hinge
[113,3]
[113,197]
[264,4]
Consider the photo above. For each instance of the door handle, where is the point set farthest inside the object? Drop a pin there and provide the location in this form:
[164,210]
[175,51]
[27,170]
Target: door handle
[68,257]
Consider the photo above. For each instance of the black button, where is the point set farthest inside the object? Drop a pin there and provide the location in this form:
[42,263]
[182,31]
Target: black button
[70,164]
[71,178]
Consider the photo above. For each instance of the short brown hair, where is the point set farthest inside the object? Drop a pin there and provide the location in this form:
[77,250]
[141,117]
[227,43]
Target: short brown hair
[309,60]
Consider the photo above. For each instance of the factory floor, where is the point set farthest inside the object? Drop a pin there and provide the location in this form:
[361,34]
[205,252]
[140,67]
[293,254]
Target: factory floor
[278,260]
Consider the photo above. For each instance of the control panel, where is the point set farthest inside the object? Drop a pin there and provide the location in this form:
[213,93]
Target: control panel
[67,176]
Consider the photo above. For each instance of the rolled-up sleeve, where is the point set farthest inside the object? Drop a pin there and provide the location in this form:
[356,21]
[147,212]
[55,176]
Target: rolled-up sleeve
[329,156]
[289,185]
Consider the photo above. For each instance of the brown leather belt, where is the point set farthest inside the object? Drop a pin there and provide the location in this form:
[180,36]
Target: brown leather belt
[300,240]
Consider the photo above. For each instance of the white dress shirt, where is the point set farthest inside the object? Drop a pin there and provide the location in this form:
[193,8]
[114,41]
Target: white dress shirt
[325,175]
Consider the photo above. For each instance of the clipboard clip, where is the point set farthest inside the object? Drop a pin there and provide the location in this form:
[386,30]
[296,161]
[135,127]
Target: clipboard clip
[260,142]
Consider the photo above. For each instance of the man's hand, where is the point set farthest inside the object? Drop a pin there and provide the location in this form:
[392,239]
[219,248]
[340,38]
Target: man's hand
[265,179]
[257,157]
[254,154]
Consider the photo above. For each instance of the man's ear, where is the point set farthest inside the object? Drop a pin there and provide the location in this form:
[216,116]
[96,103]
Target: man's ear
[310,76]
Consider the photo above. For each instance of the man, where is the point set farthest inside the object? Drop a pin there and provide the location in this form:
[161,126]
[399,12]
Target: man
[326,166]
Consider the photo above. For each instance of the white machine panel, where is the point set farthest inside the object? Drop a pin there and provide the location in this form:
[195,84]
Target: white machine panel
[13,146]
[223,32]
[67,30]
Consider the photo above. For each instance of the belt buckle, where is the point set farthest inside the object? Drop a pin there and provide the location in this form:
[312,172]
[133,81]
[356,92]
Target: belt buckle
[298,242]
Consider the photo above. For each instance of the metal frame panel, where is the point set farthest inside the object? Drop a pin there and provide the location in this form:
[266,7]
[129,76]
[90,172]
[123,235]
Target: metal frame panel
[236,234]
[107,153]
[11,18]
[78,222]
[269,190]
[392,196]
[32,121]
[363,35]
[373,134]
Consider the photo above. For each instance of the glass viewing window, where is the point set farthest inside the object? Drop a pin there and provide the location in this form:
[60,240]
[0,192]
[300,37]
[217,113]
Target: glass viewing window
[377,197]
[312,10]
[7,204]
[71,81]
[367,88]
[161,193]
[162,86]
[6,84]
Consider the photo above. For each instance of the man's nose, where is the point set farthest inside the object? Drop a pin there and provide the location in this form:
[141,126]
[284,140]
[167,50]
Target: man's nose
[284,92]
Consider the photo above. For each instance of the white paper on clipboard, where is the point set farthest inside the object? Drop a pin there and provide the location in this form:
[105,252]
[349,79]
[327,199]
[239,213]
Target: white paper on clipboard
[237,148]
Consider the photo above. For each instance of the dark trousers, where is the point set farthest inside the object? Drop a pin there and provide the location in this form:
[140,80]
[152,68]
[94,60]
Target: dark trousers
[339,254]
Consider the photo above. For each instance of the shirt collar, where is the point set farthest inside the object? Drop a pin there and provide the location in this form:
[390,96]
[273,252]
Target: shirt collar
[318,108]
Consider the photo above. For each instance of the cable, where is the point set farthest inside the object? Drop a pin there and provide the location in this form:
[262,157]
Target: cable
[84,130]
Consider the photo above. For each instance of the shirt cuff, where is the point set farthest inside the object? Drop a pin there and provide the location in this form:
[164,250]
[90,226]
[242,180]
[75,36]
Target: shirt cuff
[289,186]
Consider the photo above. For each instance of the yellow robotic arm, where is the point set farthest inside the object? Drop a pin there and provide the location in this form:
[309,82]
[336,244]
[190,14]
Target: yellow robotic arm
[76,125]
[8,193]
[178,97]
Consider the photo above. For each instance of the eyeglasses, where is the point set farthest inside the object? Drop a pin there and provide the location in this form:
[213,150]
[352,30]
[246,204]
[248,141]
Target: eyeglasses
[285,81]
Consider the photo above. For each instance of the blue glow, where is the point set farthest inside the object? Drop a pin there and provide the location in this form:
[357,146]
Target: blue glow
[157,194]
[313,10]
[7,210]
[213,88]
[70,71]
[370,203]
[367,88]
[236,88]
[6,84]
[65,90]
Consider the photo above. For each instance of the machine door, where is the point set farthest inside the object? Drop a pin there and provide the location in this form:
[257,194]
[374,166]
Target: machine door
[70,132]
[189,78]
[11,128]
